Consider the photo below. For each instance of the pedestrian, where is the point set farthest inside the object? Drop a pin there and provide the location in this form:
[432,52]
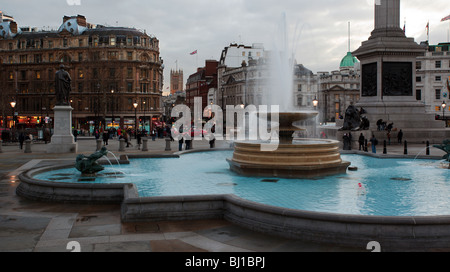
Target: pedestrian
[361,141]
[374,143]
[139,139]
[388,134]
[105,137]
[400,136]
[180,144]
[21,139]
[75,134]
[346,142]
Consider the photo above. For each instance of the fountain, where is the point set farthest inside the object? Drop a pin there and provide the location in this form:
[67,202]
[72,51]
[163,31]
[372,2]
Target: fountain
[446,148]
[305,158]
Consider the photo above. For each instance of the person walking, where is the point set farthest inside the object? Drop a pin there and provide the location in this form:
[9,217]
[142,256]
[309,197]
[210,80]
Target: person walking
[21,139]
[374,143]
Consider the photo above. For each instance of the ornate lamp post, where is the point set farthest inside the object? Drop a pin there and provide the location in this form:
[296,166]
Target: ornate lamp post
[444,105]
[136,128]
[13,105]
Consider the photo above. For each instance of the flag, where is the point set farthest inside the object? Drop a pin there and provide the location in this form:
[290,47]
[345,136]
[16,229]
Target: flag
[428,28]
[193,53]
[445,18]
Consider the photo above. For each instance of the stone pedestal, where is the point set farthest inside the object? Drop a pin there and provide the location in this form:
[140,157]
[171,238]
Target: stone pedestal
[388,73]
[62,139]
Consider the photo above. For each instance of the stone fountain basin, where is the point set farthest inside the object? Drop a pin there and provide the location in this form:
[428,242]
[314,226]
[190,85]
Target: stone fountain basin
[307,158]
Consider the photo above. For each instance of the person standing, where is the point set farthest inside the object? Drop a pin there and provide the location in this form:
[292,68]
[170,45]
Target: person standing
[361,141]
[374,143]
[105,137]
[400,136]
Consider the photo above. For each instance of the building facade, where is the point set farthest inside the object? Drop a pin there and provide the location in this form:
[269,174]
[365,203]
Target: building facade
[339,89]
[111,69]
[200,83]
[433,79]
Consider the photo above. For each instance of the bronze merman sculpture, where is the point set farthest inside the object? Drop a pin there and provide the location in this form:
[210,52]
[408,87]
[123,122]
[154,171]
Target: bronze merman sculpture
[89,165]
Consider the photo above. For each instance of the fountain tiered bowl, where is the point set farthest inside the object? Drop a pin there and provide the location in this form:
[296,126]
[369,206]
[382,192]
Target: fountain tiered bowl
[291,158]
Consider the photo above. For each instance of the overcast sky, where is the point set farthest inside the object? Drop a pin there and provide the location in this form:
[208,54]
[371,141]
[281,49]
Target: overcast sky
[210,25]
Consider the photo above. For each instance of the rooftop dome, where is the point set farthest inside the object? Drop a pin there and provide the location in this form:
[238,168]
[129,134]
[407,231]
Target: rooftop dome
[349,60]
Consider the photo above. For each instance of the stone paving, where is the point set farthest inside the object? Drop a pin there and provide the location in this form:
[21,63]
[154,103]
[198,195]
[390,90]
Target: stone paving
[29,226]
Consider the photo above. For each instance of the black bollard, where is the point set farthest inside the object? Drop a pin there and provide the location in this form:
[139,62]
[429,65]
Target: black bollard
[428,148]
[365,146]
[384,147]
[406,148]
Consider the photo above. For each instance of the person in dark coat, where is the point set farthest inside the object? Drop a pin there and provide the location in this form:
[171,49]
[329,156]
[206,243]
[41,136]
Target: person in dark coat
[400,136]
[374,143]
[361,141]
[21,139]
[105,137]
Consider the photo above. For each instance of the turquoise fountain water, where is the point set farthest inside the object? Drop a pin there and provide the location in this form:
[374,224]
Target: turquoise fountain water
[393,187]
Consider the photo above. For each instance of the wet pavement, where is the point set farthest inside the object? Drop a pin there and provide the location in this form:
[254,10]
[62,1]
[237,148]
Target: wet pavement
[30,226]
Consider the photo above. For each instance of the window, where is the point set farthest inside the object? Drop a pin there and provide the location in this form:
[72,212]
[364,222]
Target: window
[80,87]
[11,75]
[112,72]
[112,55]
[80,42]
[51,58]
[438,78]
[112,41]
[80,74]
[80,57]
[418,95]
[95,73]
[65,43]
[38,74]
[418,79]
[129,55]
[438,64]
[130,73]
[23,58]
[130,87]
[438,94]
[299,87]
[38,58]
[50,44]
[243,54]
[418,65]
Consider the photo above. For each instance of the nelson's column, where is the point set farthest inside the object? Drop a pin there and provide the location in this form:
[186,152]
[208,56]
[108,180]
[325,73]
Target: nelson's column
[388,72]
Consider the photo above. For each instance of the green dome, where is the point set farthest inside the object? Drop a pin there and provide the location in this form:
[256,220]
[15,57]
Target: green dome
[349,60]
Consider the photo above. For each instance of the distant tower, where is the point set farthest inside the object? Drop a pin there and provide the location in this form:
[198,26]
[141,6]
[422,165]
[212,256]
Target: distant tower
[176,81]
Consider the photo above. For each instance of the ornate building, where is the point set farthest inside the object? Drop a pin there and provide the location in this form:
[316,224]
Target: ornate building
[111,69]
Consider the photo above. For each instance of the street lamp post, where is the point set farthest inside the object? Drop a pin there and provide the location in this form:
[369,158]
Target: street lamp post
[13,105]
[145,121]
[112,108]
[135,105]
[444,105]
